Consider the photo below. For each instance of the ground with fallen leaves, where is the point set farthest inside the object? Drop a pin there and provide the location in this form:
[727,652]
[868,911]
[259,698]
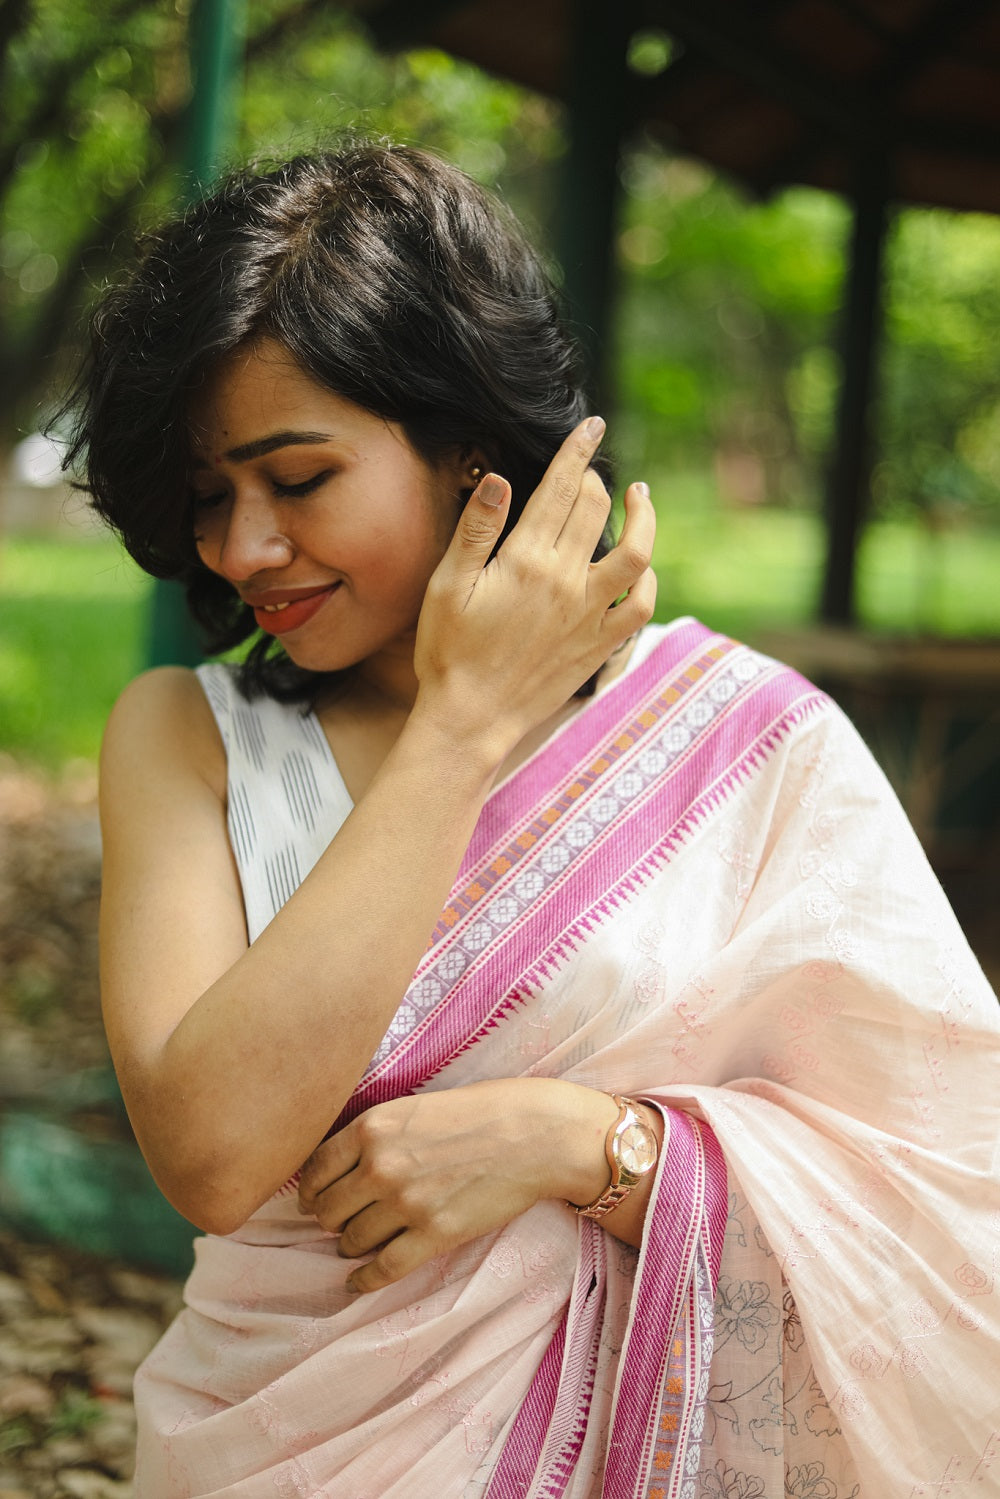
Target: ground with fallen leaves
[73,1327]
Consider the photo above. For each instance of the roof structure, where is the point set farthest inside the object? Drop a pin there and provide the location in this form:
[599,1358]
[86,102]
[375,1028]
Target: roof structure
[774,92]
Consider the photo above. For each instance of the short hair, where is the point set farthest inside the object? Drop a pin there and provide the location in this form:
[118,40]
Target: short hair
[391,278]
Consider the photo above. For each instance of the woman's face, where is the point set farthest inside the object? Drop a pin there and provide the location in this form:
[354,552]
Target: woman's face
[320,514]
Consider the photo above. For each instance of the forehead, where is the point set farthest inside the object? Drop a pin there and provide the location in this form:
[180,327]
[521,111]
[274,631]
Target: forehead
[259,399]
[252,388]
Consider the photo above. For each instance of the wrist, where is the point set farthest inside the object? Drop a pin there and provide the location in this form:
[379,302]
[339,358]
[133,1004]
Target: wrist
[480,741]
[562,1129]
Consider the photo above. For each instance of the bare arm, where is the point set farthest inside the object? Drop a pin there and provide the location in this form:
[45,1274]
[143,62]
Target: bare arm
[234,1058]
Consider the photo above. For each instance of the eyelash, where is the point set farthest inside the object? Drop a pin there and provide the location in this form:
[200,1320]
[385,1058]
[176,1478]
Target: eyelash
[284,491]
[296,491]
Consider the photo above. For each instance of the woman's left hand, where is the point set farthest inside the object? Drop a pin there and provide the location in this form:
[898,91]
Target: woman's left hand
[417,1176]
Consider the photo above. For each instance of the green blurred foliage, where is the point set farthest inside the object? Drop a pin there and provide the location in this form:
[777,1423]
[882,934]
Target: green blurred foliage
[92,137]
[73,629]
[941,408]
[725,322]
[727,343]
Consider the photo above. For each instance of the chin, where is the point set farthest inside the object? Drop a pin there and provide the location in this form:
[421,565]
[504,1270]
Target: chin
[320,661]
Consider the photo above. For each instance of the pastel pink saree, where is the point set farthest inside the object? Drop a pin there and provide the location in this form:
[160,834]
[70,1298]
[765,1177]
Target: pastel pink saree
[700,892]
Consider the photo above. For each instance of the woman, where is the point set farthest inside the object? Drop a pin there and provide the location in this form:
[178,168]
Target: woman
[479,937]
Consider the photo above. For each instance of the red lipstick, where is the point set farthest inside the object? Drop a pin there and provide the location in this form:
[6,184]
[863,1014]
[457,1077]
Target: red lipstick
[289,614]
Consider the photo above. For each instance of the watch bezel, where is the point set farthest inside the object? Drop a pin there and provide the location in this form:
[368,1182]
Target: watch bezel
[622,1175]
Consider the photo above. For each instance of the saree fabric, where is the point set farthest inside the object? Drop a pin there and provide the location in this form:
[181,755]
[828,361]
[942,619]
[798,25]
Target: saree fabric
[701,892]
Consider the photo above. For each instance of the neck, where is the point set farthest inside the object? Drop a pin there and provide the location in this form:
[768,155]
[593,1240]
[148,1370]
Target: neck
[388,679]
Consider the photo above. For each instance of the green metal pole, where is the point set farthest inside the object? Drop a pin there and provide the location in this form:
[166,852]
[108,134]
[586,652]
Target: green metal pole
[217,42]
[216,51]
[852,460]
[597,96]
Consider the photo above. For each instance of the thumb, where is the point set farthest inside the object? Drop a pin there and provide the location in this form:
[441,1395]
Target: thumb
[481,522]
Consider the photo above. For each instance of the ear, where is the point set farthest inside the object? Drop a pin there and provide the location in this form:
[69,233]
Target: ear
[473,464]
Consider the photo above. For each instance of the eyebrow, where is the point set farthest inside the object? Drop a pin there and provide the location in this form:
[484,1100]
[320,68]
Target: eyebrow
[264,445]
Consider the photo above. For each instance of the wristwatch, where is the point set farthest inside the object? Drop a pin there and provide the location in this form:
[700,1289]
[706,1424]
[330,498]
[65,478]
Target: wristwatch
[632,1150]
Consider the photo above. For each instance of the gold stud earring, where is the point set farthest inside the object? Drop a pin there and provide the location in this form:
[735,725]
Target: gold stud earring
[475,474]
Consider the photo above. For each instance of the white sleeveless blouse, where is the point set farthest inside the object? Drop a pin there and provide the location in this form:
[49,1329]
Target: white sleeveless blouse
[286,796]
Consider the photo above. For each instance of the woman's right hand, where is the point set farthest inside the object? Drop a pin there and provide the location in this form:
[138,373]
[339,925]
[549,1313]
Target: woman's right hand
[504,643]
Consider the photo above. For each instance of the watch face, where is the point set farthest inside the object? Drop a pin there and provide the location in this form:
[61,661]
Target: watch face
[637,1149]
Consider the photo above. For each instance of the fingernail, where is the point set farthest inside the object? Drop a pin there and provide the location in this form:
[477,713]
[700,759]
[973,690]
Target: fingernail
[642,487]
[594,429]
[492,490]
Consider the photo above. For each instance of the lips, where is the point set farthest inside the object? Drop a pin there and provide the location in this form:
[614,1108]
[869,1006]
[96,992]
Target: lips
[282,615]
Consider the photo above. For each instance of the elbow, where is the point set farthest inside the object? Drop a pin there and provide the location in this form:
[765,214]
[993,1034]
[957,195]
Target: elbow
[210,1223]
[203,1170]
[207,1206]
[204,1165]
[214,1199]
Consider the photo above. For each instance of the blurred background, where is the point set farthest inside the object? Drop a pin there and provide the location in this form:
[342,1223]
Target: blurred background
[776,231]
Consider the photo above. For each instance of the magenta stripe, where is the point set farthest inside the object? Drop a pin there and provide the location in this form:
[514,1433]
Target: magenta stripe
[663,1280]
[717,1200]
[614,867]
[579,741]
[575,763]
[541,1451]
[518,1463]
[700,778]
[640,839]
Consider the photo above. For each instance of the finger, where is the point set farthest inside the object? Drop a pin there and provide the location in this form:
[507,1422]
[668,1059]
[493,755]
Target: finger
[342,1201]
[479,527]
[407,1252]
[586,521]
[330,1161]
[630,557]
[546,512]
[630,612]
[368,1230]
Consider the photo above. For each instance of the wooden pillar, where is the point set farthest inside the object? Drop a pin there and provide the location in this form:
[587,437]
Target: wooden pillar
[216,43]
[852,459]
[598,96]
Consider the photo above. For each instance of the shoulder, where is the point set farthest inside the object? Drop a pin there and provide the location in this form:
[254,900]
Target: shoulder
[163,724]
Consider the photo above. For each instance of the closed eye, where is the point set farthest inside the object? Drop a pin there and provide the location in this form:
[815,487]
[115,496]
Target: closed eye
[295,491]
[206,501]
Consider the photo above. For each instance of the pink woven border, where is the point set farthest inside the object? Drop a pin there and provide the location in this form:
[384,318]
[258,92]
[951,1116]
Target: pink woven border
[686,1216]
[615,866]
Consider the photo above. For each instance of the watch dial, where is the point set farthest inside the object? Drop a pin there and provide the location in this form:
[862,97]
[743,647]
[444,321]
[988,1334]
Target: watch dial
[636,1148]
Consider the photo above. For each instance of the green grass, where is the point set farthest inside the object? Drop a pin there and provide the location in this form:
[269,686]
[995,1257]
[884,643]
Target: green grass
[72,633]
[749,570]
[74,613]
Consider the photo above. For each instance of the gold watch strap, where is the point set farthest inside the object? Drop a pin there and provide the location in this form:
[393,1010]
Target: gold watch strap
[608,1200]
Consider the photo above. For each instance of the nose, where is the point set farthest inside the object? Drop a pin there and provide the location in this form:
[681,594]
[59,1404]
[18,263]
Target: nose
[242,537]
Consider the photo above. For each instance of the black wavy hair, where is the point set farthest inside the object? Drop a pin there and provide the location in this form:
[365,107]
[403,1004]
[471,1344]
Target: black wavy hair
[390,277]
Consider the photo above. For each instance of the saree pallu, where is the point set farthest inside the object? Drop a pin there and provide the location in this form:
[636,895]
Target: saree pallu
[701,892]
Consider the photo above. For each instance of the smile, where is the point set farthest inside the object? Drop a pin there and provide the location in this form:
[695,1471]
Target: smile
[290,614]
